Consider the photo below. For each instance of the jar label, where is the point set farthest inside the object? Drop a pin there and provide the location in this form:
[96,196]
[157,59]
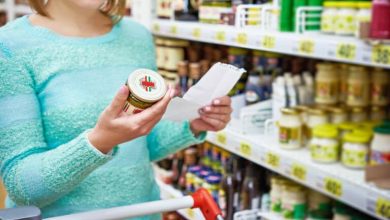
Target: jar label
[327,23]
[276,205]
[290,135]
[354,158]
[378,157]
[326,92]
[379,93]
[357,93]
[322,153]
[294,211]
[345,24]
[131,109]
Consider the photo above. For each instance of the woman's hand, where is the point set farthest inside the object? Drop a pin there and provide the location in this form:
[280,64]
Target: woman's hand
[115,127]
[214,117]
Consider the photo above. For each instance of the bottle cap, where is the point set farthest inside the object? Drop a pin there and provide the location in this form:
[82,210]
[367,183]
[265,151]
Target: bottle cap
[146,85]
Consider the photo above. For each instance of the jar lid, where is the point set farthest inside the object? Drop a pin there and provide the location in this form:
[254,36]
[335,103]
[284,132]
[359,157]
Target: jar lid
[289,111]
[357,69]
[364,5]
[347,4]
[146,85]
[364,132]
[177,43]
[382,129]
[357,110]
[301,108]
[357,137]
[325,66]
[325,131]
[314,111]
[337,110]
[349,126]
[368,125]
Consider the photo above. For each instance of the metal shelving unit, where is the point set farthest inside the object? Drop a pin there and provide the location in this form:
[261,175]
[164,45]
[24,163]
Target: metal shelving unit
[312,45]
[334,180]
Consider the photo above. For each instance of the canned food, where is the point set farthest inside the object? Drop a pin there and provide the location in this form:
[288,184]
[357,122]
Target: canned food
[146,88]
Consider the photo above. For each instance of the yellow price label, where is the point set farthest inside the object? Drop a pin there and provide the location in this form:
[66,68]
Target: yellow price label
[242,38]
[383,207]
[306,46]
[268,42]
[196,32]
[221,138]
[346,51]
[333,186]
[299,171]
[245,149]
[220,36]
[156,28]
[191,213]
[173,29]
[381,54]
[272,159]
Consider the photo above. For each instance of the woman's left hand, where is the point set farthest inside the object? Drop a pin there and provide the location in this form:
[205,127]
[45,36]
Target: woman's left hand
[214,117]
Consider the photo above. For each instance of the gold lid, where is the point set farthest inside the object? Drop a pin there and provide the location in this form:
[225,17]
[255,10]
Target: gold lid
[337,110]
[301,108]
[356,68]
[316,111]
[357,110]
[289,111]
[325,66]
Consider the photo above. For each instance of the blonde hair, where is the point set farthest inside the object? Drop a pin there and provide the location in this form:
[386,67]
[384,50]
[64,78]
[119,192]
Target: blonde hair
[113,8]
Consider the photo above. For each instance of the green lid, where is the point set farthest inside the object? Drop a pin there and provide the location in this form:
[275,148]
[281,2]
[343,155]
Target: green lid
[347,4]
[382,129]
[357,137]
[349,126]
[325,131]
[364,5]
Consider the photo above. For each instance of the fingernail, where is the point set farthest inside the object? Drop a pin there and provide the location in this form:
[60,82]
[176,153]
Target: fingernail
[123,90]
[217,102]
[208,108]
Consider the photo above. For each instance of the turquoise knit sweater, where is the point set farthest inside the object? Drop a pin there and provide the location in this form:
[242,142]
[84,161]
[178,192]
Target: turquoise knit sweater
[52,90]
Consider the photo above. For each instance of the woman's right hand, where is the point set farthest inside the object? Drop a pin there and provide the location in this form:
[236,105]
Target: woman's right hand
[115,127]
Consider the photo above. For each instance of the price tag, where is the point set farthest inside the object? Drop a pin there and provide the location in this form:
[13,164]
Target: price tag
[196,32]
[298,171]
[381,54]
[306,47]
[242,38]
[221,138]
[383,208]
[156,27]
[191,213]
[173,29]
[220,36]
[268,42]
[245,149]
[346,51]
[272,159]
[333,186]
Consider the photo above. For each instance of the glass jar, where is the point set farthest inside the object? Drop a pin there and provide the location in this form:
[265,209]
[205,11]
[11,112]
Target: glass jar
[293,202]
[324,145]
[358,115]
[377,113]
[326,84]
[315,117]
[358,86]
[290,129]
[380,87]
[355,150]
[174,52]
[277,184]
[338,115]
[345,128]
[328,17]
[146,88]
[319,202]
[363,15]
[160,53]
[346,18]
[380,147]
[343,89]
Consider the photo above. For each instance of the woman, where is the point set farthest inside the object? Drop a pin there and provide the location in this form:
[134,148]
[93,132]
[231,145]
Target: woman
[66,145]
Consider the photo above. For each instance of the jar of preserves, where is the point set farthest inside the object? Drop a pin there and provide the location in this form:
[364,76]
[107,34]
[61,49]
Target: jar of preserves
[380,148]
[174,52]
[146,88]
[316,117]
[343,89]
[327,84]
[328,17]
[355,149]
[358,115]
[338,115]
[346,19]
[324,146]
[358,86]
[380,87]
[290,129]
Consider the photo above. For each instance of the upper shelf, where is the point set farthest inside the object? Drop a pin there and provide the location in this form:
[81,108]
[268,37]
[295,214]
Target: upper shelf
[320,46]
[334,180]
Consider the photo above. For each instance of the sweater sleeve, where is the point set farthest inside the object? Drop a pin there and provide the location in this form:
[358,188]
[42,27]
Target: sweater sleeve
[168,137]
[33,173]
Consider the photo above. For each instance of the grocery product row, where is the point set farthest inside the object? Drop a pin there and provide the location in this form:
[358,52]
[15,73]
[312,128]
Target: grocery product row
[238,185]
[363,19]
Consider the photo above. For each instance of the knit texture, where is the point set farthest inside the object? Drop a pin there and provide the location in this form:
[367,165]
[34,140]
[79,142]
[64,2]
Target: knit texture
[52,90]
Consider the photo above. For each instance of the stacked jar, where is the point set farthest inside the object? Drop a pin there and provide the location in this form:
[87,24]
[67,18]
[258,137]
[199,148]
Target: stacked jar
[290,129]
[324,145]
[355,150]
[380,148]
[327,84]
[293,202]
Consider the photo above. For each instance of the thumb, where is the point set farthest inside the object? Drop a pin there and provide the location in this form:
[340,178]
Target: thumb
[118,102]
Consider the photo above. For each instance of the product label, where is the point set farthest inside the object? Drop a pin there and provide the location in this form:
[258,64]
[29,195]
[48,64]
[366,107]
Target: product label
[156,27]
[173,30]
[268,42]
[321,153]
[326,91]
[220,36]
[299,171]
[327,23]
[306,47]
[291,136]
[383,208]
[354,158]
[272,159]
[357,93]
[196,33]
[242,38]
[333,186]
[379,93]
[378,157]
[130,109]
[148,83]
[381,54]
[221,138]
[345,24]
[346,51]
[245,149]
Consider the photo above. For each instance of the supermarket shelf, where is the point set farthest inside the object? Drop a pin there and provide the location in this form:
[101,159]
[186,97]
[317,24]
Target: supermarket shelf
[328,47]
[168,192]
[334,180]
[22,9]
